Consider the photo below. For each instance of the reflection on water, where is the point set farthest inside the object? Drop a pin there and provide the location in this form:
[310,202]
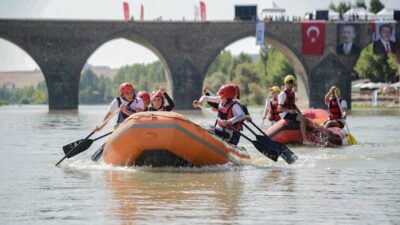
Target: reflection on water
[174,196]
[349,185]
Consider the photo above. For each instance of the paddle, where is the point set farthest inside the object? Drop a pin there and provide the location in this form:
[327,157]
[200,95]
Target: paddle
[352,140]
[84,144]
[280,148]
[265,110]
[264,149]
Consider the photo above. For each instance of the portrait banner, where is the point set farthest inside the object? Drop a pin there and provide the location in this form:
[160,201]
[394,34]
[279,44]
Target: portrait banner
[126,11]
[260,29]
[313,37]
[384,38]
[348,39]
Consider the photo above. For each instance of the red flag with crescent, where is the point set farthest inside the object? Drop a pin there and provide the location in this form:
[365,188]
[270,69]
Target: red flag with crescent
[203,11]
[126,11]
[313,37]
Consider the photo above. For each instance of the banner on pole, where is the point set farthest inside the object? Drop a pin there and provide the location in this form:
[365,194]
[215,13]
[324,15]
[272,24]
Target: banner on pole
[260,29]
[126,11]
[141,13]
[203,11]
[196,13]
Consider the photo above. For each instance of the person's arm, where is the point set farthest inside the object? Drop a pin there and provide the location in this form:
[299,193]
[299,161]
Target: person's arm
[328,95]
[343,104]
[238,115]
[171,104]
[111,109]
[197,103]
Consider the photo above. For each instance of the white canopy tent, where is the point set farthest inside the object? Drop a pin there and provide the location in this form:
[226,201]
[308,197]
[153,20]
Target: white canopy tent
[385,14]
[362,14]
[272,10]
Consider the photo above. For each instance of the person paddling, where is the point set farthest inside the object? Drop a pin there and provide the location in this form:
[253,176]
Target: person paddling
[337,114]
[127,102]
[230,113]
[271,111]
[287,106]
[145,96]
[157,101]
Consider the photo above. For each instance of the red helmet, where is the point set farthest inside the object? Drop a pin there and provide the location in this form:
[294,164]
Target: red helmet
[227,91]
[125,88]
[144,95]
[237,90]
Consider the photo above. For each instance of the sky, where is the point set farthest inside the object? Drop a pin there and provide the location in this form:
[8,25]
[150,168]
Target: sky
[124,52]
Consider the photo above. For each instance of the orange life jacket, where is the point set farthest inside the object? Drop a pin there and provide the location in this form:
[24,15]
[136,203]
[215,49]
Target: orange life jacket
[273,110]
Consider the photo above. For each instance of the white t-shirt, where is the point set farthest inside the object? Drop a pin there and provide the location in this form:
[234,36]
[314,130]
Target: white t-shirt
[281,101]
[136,105]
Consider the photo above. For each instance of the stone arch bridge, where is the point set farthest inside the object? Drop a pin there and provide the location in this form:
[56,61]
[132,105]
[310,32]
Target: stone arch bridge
[186,49]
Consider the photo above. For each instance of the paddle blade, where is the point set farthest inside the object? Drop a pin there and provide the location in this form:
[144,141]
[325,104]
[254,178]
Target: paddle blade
[74,150]
[352,140]
[67,148]
[97,154]
[280,149]
[266,150]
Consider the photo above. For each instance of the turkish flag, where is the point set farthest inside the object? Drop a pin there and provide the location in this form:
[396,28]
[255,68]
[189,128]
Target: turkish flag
[126,11]
[313,37]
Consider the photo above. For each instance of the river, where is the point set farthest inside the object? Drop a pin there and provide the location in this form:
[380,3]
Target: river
[356,184]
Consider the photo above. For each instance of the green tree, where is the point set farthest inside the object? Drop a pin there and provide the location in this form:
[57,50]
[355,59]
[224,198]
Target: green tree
[375,6]
[377,68]
[360,4]
[342,7]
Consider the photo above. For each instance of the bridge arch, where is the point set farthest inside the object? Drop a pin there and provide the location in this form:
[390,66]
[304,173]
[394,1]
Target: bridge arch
[138,39]
[30,76]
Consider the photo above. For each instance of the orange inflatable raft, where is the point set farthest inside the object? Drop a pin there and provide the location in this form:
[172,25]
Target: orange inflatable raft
[286,132]
[168,139]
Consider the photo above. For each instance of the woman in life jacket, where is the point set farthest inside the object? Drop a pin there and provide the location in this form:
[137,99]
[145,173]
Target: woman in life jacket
[157,101]
[145,96]
[337,113]
[287,106]
[230,113]
[271,108]
[127,102]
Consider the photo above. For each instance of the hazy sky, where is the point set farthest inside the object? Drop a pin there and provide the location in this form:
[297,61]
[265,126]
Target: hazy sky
[126,52]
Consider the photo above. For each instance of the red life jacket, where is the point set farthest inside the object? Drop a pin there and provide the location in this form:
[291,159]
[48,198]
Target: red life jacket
[290,99]
[334,109]
[273,110]
[225,113]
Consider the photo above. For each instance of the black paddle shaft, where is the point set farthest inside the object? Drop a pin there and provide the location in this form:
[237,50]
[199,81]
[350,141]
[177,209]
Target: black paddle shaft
[72,151]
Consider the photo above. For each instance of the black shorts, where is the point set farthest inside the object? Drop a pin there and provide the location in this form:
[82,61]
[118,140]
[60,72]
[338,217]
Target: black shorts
[291,116]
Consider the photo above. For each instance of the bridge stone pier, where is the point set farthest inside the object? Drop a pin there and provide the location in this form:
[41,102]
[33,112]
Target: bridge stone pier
[186,49]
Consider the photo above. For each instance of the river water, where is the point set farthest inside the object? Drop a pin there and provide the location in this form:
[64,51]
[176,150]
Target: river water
[356,184]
